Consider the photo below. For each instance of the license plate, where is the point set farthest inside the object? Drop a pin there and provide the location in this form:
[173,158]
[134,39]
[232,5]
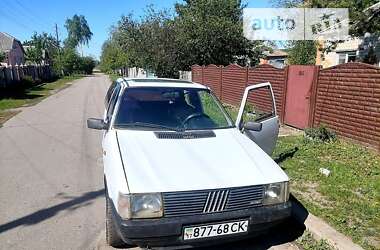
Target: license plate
[206,231]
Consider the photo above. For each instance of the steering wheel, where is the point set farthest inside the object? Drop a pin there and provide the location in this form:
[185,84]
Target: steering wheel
[192,116]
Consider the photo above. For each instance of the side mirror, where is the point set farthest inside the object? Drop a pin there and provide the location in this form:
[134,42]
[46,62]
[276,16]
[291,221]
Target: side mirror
[95,123]
[255,126]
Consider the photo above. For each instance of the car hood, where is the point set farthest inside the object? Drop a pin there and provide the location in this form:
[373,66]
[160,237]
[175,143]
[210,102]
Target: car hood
[229,159]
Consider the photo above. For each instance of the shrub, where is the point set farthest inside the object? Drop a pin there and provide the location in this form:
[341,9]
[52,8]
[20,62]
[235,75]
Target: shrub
[87,64]
[69,62]
[320,134]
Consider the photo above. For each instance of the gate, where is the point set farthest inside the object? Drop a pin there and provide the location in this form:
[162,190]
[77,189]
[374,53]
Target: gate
[299,95]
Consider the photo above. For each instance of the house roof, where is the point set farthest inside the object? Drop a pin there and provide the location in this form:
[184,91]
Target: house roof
[6,42]
[276,53]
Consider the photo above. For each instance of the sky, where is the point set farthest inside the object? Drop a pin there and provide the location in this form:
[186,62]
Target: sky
[21,18]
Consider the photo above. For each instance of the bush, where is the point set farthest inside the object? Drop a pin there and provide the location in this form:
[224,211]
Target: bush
[320,134]
[69,62]
[87,64]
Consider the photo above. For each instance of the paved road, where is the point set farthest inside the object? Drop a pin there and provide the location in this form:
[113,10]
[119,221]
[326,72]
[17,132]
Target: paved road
[51,184]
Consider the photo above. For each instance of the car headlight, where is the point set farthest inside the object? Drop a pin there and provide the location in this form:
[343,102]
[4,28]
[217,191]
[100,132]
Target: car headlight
[140,206]
[275,193]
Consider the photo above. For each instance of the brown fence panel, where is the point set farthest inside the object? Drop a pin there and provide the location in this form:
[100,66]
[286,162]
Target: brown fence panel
[10,75]
[277,78]
[196,73]
[234,81]
[212,77]
[348,101]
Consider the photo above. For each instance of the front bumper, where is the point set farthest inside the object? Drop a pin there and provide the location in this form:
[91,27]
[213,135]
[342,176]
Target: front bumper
[168,231]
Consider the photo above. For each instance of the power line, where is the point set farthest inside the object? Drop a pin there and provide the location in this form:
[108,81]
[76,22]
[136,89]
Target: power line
[31,12]
[15,20]
[19,11]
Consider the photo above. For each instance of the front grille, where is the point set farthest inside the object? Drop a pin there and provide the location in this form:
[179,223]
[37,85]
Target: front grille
[212,201]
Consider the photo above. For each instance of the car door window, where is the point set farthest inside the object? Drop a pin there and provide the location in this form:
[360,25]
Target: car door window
[112,103]
[109,93]
[259,105]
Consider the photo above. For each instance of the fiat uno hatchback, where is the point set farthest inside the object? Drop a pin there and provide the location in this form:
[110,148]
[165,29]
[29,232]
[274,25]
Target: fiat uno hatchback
[179,171]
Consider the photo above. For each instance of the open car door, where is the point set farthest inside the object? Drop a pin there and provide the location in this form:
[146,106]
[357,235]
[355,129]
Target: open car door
[257,116]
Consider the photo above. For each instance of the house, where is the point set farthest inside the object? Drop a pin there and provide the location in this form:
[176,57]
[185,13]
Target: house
[276,58]
[352,50]
[13,50]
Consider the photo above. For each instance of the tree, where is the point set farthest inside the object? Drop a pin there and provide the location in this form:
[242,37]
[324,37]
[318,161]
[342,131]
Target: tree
[40,47]
[364,15]
[200,32]
[370,57]
[78,30]
[2,56]
[302,52]
[87,64]
[112,57]
[211,32]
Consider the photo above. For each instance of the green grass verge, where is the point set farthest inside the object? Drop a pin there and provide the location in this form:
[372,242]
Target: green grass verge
[26,94]
[113,77]
[307,242]
[348,199]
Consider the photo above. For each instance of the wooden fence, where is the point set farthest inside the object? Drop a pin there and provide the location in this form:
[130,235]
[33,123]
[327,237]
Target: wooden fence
[10,75]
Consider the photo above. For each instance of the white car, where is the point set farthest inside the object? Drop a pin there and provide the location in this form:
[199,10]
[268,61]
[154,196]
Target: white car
[179,171]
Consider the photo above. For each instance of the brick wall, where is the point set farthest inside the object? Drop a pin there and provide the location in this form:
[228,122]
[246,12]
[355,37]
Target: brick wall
[348,101]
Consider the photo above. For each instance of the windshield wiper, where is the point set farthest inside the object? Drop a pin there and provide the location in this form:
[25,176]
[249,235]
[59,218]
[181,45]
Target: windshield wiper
[149,125]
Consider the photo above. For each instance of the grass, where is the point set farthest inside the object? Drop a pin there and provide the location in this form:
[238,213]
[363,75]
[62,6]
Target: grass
[232,111]
[348,199]
[26,93]
[113,77]
[307,242]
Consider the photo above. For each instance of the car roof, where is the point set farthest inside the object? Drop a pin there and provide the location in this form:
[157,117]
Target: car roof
[160,82]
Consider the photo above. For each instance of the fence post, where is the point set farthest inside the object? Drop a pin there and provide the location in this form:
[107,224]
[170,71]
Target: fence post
[313,97]
[283,97]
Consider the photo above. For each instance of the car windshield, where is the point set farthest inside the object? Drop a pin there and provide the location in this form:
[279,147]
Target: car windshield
[170,109]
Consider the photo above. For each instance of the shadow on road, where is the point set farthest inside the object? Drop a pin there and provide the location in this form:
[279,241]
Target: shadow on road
[47,213]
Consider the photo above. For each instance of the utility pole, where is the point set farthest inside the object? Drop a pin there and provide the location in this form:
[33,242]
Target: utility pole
[59,48]
[56,34]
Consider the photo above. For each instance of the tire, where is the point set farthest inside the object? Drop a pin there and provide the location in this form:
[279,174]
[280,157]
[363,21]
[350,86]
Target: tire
[112,237]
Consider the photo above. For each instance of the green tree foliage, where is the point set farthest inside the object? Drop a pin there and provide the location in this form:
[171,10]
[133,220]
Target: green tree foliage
[200,32]
[113,57]
[302,52]
[66,61]
[363,18]
[2,56]
[211,31]
[70,62]
[78,30]
[87,64]
[41,47]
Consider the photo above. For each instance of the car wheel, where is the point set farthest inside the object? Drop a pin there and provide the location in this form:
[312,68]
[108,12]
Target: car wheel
[112,237]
